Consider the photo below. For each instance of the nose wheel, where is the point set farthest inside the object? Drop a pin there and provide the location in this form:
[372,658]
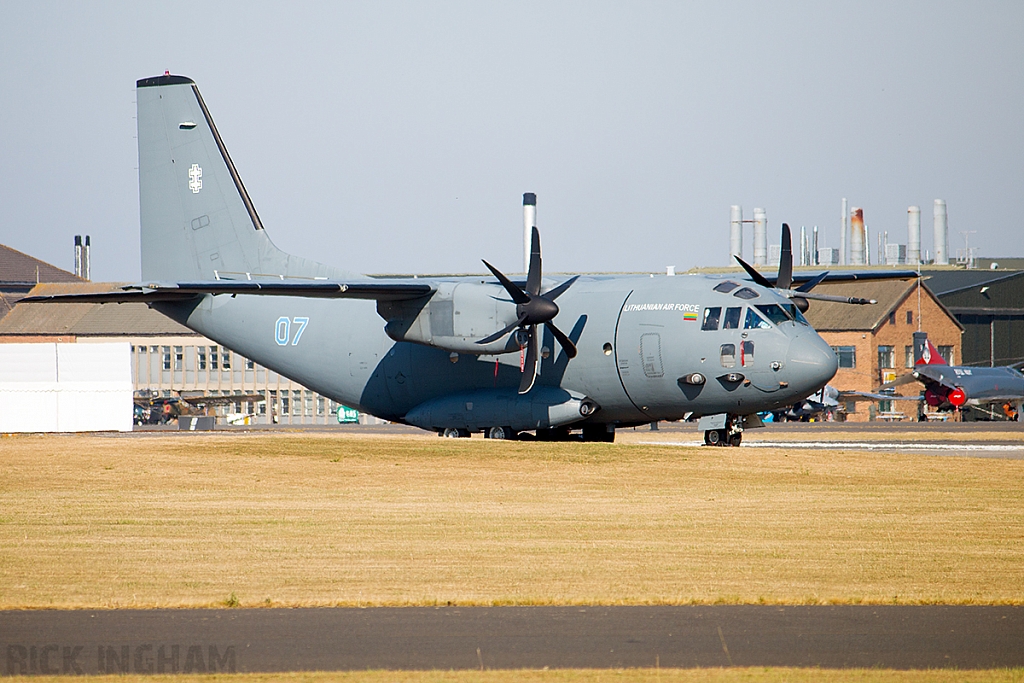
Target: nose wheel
[730,435]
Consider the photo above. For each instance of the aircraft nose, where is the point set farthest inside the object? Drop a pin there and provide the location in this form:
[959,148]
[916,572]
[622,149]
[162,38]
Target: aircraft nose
[811,361]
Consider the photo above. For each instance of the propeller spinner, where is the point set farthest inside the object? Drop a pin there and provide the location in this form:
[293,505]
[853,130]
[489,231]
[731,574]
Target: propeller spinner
[532,309]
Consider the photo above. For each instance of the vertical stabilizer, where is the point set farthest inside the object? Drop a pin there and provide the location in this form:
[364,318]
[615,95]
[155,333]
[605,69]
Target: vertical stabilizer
[197,220]
[924,352]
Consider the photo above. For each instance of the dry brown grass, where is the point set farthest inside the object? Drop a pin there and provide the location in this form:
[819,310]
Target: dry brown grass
[751,675]
[339,520]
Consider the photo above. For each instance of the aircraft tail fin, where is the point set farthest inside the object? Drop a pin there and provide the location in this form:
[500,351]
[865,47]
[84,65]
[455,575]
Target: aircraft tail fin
[925,352]
[197,220]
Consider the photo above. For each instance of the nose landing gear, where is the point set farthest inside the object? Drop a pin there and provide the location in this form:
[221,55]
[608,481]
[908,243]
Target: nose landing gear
[730,435]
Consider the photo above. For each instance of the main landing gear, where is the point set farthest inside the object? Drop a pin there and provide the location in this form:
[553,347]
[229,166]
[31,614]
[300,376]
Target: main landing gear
[730,435]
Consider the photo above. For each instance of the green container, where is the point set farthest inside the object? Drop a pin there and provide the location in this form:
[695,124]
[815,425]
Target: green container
[347,415]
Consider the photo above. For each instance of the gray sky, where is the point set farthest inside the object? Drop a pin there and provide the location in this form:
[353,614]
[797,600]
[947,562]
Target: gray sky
[400,136]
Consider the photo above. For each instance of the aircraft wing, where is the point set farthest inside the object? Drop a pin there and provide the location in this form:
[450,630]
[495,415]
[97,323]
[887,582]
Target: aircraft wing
[379,290]
[899,381]
[870,396]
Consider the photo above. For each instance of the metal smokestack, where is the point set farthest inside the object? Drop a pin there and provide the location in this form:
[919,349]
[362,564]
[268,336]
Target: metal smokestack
[86,267]
[857,236]
[78,255]
[760,237]
[735,232]
[814,249]
[529,222]
[941,233]
[842,235]
[913,235]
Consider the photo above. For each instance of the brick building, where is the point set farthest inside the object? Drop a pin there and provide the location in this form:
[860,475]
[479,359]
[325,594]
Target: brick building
[875,343]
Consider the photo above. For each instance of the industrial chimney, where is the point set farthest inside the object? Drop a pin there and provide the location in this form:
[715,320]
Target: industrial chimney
[941,233]
[82,257]
[760,237]
[843,230]
[857,237]
[529,222]
[914,235]
[735,232]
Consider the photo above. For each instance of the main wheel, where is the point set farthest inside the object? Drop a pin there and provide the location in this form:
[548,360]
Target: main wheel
[455,433]
[499,433]
[712,437]
[735,439]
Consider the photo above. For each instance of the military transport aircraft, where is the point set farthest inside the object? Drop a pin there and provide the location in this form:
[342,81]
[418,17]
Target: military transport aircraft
[462,354]
[952,386]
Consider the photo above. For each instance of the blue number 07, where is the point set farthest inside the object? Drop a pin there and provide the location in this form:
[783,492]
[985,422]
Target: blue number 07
[282,330]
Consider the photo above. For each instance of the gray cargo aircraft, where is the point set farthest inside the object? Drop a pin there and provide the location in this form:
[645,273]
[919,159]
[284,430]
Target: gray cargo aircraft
[458,354]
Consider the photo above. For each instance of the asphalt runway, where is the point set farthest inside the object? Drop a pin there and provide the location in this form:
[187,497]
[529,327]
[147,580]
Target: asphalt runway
[335,639]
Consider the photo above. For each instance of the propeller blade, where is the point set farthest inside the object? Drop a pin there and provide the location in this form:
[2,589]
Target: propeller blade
[754,275]
[567,345]
[530,365]
[518,295]
[812,283]
[785,278]
[533,276]
[498,335]
[558,291]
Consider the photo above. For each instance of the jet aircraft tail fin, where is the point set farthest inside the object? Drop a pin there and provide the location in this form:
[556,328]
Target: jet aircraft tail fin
[924,352]
[196,217]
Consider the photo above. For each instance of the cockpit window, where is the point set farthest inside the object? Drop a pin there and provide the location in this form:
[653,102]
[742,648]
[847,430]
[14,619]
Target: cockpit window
[712,314]
[746,293]
[795,312]
[755,322]
[732,318]
[726,287]
[774,312]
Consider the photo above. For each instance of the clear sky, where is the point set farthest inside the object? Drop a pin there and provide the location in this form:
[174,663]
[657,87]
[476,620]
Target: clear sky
[399,136]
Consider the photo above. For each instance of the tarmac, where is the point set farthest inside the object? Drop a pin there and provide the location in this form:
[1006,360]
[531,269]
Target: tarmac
[425,638]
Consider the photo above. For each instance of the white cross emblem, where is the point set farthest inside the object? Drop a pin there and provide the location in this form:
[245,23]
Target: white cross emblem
[195,178]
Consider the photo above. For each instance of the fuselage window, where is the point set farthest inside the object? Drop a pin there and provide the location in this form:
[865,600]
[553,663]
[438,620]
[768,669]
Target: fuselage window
[732,318]
[755,322]
[747,353]
[795,312]
[726,287]
[728,355]
[712,315]
[774,313]
[746,293]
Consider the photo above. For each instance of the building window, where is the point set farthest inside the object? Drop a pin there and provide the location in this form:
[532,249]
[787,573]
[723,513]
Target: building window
[285,403]
[308,407]
[851,406]
[908,356]
[319,405]
[296,402]
[892,318]
[886,357]
[225,358]
[249,364]
[213,358]
[847,356]
[166,351]
[947,354]
[910,317]
[179,357]
[201,358]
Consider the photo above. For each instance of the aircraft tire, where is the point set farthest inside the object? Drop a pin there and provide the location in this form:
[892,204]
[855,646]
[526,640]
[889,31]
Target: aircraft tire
[598,432]
[455,433]
[505,433]
[713,437]
[736,439]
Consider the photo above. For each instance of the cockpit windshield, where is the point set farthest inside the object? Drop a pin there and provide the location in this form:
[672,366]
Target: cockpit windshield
[774,312]
[795,312]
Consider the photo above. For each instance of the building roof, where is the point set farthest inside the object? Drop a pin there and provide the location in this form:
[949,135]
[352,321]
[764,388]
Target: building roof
[838,317]
[86,320]
[18,269]
[950,281]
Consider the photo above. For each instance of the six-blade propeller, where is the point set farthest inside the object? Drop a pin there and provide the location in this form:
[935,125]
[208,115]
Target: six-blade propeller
[532,309]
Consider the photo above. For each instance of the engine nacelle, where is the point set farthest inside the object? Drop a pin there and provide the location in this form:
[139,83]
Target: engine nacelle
[453,318]
[542,408]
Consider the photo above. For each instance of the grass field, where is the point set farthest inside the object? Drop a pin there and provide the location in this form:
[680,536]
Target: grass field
[319,519]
